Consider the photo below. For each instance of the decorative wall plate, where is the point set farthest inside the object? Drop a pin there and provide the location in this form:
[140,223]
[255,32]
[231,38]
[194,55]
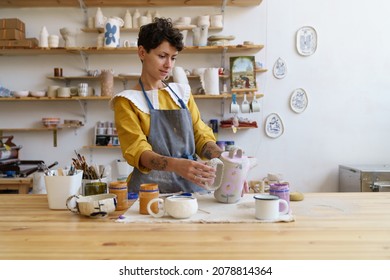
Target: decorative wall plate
[273,126]
[280,69]
[298,100]
[306,40]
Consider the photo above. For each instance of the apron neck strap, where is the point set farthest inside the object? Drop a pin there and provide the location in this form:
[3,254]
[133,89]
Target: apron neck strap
[183,106]
[146,97]
[150,105]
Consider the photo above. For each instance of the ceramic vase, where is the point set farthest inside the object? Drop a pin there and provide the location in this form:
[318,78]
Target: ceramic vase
[99,18]
[128,21]
[112,32]
[136,15]
[44,38]
[107,82]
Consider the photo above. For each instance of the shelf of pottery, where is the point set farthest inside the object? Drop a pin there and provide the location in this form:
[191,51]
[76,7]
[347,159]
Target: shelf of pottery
[105,135]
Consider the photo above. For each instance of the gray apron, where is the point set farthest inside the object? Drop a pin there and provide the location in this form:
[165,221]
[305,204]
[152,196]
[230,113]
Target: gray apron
[171,134]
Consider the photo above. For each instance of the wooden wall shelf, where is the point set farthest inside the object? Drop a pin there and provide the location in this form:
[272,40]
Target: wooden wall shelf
[38,129]
[130,50]
[75,98]
[125,3]
[101,147]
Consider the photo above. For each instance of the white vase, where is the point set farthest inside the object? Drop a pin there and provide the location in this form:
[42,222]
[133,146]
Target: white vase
[112,32]
[149,16]
[128,21]
[99,18]
[44,38]
[136,15]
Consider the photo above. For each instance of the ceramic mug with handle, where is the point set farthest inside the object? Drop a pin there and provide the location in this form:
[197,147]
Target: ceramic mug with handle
[176,206]
[94,206]
[267,207]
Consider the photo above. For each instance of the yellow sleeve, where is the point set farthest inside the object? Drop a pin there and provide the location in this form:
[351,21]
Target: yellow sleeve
[202,132]
[133,127]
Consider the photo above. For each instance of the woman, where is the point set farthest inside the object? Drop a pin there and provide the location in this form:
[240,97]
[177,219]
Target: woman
[159,125]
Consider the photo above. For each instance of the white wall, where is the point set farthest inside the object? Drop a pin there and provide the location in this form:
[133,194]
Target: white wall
[346,120]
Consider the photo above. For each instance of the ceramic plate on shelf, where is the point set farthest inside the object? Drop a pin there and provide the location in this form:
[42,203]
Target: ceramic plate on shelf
[280,69]
[273,126]
[306,40]
[298,100]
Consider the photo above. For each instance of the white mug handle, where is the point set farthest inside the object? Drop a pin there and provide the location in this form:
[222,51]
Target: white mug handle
[69,199]
[126,43]
[286,208]
[160,212]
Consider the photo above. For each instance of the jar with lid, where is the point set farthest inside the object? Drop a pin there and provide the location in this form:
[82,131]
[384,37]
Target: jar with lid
[120,189]
[146,193]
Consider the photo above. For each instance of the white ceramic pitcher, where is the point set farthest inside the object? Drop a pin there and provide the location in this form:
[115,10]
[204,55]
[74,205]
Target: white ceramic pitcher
[200,35]
[112,32]
[231,178]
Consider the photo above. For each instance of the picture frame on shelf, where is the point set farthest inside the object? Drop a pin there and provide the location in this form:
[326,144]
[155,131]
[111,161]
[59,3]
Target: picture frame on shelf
[242,76]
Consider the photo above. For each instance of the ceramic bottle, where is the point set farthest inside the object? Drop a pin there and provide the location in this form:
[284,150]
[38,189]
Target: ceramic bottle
[99,18]
[149,16]
[44,38]
[128,21]
[136,15]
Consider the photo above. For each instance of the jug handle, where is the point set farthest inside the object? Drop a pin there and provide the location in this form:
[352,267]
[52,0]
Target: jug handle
[218,165]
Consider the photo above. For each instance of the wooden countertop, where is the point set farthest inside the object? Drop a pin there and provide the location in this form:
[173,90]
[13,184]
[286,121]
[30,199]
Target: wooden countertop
[327,226]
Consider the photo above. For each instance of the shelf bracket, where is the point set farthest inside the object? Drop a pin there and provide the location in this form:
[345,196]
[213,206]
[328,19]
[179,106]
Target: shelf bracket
[83,7]
[85,58]
[55,137]
[223,6]
[83,105]
[223,107]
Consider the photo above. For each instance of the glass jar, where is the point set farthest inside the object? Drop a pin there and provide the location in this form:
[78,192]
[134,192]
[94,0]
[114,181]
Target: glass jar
[119,188]
[146,193]
[93,188]
[282,190]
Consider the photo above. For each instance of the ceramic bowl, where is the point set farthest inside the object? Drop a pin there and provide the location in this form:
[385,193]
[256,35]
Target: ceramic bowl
[38,93]
[50,122]
[20,93]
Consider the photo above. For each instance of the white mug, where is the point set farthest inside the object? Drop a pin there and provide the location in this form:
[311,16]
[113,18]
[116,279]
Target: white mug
[94,206]
[52,91]
[255,104]
[176,206]
[63,92]
[54,41]
[245,105]
[267,207]
[83,89]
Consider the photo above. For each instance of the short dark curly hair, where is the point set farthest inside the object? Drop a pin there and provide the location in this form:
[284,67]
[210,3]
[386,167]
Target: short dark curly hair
[161,29]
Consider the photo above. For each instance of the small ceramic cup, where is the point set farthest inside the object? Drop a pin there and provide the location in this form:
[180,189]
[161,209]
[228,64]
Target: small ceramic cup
[176,206]
[267,207]
[63,92]
[94,206]
[54,41]
[52,91]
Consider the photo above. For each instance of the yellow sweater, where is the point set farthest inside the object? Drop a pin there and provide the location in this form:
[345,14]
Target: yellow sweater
[133,126]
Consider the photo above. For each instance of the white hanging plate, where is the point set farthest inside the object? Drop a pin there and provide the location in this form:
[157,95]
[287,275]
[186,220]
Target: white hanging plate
[298,100]
[306,40]
[274,126]
[280,69]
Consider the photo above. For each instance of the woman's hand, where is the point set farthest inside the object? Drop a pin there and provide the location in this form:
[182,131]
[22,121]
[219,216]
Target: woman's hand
[195,171]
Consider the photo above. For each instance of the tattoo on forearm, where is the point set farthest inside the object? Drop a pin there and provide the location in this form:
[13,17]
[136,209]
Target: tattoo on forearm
[211,151]
[159,163]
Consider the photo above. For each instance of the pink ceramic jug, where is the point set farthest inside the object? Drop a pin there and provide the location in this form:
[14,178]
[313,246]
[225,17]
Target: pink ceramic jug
[235,170]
